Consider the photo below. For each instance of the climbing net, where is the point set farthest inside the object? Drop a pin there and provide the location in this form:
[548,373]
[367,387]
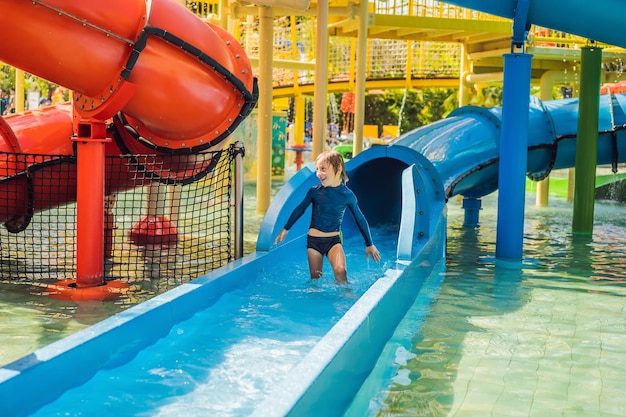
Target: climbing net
[167,219]
[386,58]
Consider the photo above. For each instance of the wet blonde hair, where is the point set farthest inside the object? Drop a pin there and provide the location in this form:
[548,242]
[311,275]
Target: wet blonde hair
[334,159]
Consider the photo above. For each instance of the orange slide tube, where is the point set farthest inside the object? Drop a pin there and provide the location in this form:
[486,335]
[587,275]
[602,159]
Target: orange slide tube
[159,77]
[172,83]
[180,83]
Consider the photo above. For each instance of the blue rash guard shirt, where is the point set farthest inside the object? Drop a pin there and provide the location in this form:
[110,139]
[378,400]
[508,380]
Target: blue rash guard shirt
[329,206]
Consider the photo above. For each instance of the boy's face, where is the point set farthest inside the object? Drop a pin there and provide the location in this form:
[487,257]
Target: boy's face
[326,174]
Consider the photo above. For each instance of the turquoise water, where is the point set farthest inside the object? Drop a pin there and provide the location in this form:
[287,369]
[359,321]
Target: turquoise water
[224,360]
[483,340]
[29,320]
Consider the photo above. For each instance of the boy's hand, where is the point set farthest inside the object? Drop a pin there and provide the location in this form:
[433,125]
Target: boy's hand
[373,252]
[281,236]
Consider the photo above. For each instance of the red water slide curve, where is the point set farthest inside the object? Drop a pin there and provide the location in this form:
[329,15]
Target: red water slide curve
[162,79]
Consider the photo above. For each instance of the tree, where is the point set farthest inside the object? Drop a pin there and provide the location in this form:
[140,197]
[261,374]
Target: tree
[409,108]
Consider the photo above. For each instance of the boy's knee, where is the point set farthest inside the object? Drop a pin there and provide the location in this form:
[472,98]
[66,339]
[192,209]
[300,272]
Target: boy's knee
[340,273]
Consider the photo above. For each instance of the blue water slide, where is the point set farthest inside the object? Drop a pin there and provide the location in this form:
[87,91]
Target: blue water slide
[463,150]
[375,177]
[599,20]
[464,146]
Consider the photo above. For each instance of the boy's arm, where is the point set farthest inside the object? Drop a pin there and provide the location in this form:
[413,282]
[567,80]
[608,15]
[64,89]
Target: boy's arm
[295,215]
[361,221]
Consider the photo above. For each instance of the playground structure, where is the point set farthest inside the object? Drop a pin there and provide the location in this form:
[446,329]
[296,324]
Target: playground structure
[415,162]
[123,87]
[408,45]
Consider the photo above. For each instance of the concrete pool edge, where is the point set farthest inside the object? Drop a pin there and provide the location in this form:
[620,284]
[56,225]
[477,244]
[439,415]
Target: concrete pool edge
[348,352]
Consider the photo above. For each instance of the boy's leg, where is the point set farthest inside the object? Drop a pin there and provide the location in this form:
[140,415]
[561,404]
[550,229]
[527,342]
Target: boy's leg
[316,260]
[337,259]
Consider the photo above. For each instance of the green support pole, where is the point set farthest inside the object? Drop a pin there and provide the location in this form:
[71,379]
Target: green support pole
[587,140]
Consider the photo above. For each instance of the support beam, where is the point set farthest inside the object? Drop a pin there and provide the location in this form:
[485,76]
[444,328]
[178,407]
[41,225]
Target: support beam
[361,65]
[264,142]
[587,140]
[321,80]
[513,157]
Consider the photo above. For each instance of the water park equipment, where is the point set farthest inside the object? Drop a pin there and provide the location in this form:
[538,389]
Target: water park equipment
[456,156]
[460,157]
[160,59]
[151,77]
[367,319]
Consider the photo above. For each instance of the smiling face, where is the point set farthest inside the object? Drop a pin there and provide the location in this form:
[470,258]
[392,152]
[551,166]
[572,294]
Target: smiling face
[326,174]
[330,169]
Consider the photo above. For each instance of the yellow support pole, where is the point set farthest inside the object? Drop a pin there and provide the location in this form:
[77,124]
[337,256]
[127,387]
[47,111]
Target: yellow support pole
[265,82]
[359,99]
[19,90]
[233,21]
[543,187]
[465,69]
[571,177]
[352,67]
[295,55]
[298,125]
[321,80]
[300,104]
[223,15]
[408,69]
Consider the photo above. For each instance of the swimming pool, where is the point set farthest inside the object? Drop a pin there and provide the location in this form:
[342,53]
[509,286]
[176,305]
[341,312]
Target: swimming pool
[545,340]
[225,359]
[476,350]
[31,320]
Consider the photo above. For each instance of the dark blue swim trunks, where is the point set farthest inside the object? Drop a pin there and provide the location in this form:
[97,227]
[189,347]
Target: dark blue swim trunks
[322,244]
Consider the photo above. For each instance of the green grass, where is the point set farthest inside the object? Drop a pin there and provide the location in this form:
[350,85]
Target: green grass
[558,186]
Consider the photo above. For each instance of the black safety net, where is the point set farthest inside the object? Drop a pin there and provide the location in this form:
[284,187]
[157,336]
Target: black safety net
[167,219]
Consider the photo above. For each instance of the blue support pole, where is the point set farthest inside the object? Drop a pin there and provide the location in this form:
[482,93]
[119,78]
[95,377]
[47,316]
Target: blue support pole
[472,207]
[513,156]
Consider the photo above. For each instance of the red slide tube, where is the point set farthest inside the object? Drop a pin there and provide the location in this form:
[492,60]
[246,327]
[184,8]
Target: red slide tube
[181,82]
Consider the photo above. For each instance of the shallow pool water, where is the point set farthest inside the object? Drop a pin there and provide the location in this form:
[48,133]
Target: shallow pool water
[30,320]
[545,340]
[482,339]
[225,359]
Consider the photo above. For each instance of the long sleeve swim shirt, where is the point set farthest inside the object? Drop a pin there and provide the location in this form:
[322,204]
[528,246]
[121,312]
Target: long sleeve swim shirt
[329,206]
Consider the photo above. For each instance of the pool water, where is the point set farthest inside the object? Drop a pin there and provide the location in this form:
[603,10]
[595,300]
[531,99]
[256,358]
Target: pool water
[481,340]
[225,359]
[545,340]
[30,320]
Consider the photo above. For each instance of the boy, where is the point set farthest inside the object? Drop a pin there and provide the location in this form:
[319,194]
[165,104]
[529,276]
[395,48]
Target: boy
[330,200]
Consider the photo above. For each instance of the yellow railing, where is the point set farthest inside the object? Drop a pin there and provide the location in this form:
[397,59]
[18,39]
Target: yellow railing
[387,58]
[294,44]
[203,8]
[429,8]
